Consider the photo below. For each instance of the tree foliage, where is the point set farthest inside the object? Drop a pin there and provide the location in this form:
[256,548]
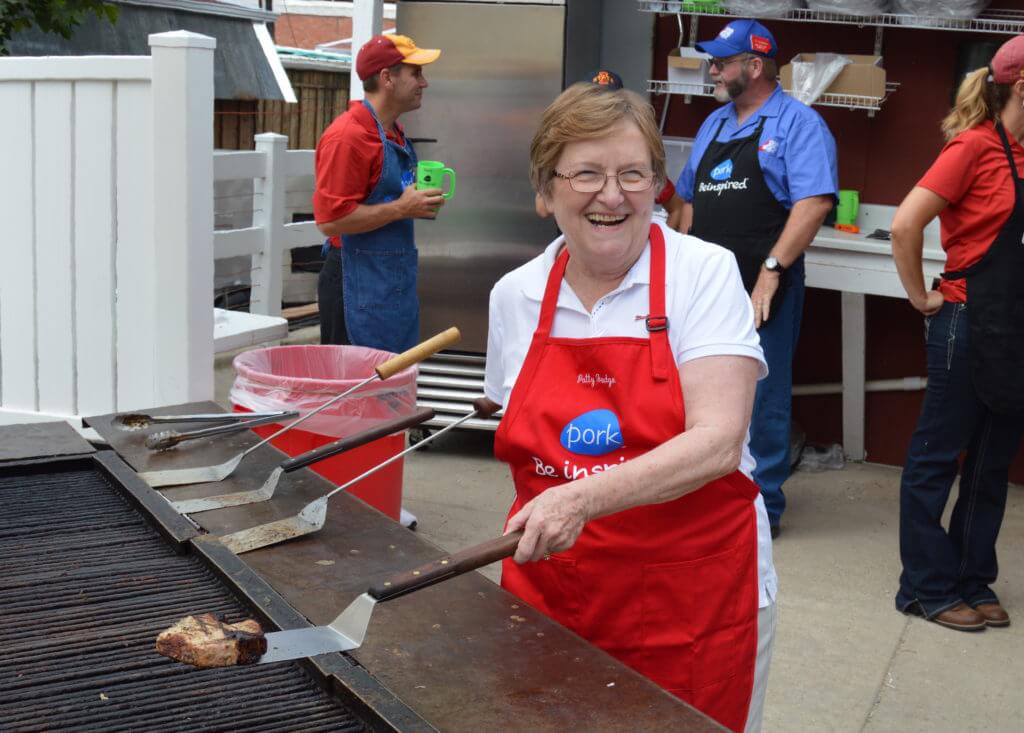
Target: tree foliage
[51,16]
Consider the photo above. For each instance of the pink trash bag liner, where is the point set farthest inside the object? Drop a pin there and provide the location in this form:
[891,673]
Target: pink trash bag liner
[304,377]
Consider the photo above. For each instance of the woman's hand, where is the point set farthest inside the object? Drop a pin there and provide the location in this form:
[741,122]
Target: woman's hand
[931,304]
[551,522]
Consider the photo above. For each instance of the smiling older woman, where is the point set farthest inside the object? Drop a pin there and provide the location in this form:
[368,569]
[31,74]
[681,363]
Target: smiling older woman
[643,531]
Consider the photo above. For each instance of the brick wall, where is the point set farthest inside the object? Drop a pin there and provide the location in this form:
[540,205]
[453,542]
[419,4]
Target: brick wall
[306,31]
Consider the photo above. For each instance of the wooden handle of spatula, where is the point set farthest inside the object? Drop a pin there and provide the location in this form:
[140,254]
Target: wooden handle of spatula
[421,415]
[447,567]
[418,353]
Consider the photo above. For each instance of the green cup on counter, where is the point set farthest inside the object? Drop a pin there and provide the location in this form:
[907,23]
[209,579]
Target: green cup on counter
[849,205]
[431,174]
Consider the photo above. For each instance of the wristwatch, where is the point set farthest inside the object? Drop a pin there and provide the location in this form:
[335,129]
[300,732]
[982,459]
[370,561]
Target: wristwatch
[770,263]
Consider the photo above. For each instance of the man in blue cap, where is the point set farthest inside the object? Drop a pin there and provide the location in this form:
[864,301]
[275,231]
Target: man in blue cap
[759,181]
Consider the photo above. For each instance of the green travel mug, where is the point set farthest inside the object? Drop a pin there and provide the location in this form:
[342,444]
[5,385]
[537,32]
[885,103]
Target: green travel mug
[431,174]
[849,204]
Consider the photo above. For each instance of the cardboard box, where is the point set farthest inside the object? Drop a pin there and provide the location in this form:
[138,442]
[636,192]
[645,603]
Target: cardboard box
[864,77]
[689,69]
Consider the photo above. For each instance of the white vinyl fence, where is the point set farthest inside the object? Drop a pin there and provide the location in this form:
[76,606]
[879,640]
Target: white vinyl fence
[276,173]
[106,208]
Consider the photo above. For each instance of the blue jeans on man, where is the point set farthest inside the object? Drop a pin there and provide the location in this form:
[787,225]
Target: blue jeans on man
[773,403]
[942,568]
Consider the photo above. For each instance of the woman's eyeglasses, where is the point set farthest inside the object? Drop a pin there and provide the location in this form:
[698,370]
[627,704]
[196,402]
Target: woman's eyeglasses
[720,64]
[631,181]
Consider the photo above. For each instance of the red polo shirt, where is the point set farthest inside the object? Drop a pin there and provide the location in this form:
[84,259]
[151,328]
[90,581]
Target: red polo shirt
[972,174]
[348,162]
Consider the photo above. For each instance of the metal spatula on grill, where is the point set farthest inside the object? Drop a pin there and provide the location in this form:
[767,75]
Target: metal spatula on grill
[311,518]
[206,474]
[266,491]
[344,633]
[348,630]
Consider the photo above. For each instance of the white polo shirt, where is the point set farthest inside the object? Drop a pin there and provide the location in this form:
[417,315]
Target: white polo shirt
[709,314]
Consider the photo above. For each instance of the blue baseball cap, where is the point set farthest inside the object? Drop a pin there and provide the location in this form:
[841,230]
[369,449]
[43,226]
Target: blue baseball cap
[741,36]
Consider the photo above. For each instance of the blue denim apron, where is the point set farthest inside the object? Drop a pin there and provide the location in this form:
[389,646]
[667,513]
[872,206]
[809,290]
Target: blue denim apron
[382,310]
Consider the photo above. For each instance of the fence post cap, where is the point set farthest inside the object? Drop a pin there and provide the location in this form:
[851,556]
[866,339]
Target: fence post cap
[182,39]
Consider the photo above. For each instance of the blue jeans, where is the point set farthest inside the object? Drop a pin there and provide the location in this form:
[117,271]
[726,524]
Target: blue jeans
[943,568]
[773,403]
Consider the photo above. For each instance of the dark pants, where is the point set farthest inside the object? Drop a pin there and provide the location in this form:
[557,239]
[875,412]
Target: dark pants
[328,294]
[773,404]
[942,568]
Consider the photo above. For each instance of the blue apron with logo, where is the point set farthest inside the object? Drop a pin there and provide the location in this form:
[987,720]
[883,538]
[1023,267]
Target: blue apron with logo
[379,268]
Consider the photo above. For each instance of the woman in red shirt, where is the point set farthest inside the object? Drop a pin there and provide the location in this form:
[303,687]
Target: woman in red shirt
[974,327]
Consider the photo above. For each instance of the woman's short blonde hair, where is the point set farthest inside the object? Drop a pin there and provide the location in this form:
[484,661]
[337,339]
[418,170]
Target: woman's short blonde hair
[587,111]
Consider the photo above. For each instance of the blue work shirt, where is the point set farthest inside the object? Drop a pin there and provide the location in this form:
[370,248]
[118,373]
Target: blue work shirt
[797,151]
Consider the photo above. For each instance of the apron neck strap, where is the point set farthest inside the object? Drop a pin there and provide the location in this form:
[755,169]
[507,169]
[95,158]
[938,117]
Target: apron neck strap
[383,134]
[1009,152]
[657,322]
[718,130]
[551,290]
[756,133]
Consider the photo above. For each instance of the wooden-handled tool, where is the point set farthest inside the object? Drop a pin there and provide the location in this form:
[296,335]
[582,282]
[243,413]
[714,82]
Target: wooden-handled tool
[266,491]
[203,641]
[311,517]
[206,474]
[447,567]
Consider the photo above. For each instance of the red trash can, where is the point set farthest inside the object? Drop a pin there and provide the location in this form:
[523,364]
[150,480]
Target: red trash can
[304,377]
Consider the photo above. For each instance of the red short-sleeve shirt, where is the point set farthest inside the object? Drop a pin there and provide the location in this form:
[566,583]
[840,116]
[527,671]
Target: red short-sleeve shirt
[348,162]
[972,174]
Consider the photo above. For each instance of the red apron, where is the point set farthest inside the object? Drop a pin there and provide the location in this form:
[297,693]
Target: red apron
[669,589]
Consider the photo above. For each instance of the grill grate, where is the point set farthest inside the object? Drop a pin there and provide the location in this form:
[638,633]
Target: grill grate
[85,587]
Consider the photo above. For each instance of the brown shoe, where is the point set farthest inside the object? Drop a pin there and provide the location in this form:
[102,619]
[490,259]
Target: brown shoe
[960,617]
[994,614]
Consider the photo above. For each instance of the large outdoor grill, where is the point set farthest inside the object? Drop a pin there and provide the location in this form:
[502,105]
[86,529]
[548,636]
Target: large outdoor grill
[87,584]
[94,564]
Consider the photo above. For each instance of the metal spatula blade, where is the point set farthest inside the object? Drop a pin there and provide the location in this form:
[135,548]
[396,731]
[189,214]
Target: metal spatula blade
[239,498]
[200,475]
[343,634]
[310,519]
[209,474]
[266,491]
[348,630]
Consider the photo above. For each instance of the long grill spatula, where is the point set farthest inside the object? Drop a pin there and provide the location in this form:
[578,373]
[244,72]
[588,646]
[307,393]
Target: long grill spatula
[348,630]
[266,491]
[311,517]
[206,474]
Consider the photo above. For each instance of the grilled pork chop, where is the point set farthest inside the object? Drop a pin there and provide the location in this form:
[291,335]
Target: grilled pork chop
[206,641]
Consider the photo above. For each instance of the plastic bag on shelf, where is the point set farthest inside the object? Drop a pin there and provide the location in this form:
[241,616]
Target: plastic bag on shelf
[942,9]
[851,7]
[304,377]
[812,78]
[965,9]
[822,458]
[762,8]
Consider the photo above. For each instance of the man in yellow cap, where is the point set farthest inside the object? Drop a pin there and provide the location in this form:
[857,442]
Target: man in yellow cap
[365,202]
